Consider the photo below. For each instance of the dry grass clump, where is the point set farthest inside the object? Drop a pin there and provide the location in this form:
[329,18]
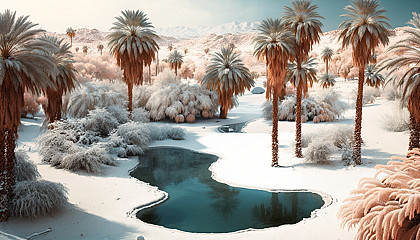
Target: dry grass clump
[386,206]
[24,169]
[38,198]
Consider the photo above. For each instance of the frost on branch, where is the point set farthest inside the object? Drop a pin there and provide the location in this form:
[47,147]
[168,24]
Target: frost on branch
[386,206]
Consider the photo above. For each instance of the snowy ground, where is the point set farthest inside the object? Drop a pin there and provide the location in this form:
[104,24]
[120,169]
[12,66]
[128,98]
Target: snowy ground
[101,205]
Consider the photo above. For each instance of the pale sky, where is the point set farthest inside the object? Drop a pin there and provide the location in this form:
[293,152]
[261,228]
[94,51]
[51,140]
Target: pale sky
[58,15]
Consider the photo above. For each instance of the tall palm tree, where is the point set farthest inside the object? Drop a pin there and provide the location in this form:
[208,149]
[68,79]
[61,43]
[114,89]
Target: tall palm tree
[303,76]
[305,24]
[326,56]
[372,76]
[134,44]
[228,76]
[23,66]
[404,68]
[100,48]
[364,29]
[85,49]
[64,80]
[175,60]
[71,33]
[274,45]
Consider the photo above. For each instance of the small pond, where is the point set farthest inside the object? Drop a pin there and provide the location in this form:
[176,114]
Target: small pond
[232,128]
[198,203]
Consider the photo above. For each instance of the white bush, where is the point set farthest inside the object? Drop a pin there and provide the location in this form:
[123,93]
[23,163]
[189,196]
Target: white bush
[339,135]
[397,121]
[325,107]
[86,159]
[140,115]
[347,154]
[319,151]
[24,169]
[37,198]
[92,95]
[119,113]
[100,121]
[166,131]
[369,95]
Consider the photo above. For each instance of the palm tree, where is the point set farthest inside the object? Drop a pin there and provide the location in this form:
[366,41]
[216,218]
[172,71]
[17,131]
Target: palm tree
[71,33]
[274,45]
[100,48]
[77,49]
[364,30]
[326,56]
[133,43]
[327,80]
[185,51]
[228,76]
[23,66]
[303,76]
[404,68]
[170,47]
[64,80]
[372,76]
[175,60]
[85,49]
[206,50]
[305,24]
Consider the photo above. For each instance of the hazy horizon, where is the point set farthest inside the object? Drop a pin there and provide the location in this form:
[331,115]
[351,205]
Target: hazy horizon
[57,16]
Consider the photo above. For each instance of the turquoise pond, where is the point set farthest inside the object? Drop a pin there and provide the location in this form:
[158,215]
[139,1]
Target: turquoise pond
[197,203]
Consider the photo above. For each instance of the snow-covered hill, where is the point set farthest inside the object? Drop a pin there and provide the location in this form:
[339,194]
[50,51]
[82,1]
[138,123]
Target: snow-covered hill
[191,32]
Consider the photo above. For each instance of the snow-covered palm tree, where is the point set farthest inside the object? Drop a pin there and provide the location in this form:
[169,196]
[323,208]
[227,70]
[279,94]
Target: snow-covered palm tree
[304,76]
[85,49]
[100,48]
[305,23]
[404,69]
[327,80]
[274,45]
[175,60]
[326,56]
[227,75]
[133,43]
[64,80]
[363,30]
[24,65]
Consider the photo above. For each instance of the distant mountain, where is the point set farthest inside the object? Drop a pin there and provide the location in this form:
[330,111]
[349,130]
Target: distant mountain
[192,32]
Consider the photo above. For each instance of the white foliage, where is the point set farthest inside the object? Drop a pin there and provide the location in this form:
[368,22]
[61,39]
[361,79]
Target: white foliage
[24,168]
[369,95]
[86,159]
[319,151]
[37,198]
[165,131]
[325,107]
[339,135]
[119,113]
[140,115]
[347,154]
[130,139]
[91,95]
[396,121]
[100,121]
[165,77]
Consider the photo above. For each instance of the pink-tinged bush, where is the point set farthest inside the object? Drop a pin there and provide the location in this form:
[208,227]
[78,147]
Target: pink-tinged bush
[31,105]
[386,206]
[91,67]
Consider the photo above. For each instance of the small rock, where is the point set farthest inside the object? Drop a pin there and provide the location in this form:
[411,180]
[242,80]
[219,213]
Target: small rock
[140,238]
[258,90]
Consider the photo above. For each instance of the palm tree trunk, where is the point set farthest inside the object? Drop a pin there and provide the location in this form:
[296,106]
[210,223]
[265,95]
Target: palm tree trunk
[298,118]
[130,96]
[326,66]
[275,132]
[71,41]
[414,133]
[157,63]
[176,72]
[10,161]
[150,76]
[4,212]
[357,146]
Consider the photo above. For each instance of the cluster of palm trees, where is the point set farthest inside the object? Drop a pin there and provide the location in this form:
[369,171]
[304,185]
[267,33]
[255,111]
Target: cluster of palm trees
[284,44]
[27,63]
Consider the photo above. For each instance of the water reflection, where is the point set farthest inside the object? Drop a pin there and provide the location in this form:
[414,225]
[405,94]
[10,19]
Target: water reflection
[197,203]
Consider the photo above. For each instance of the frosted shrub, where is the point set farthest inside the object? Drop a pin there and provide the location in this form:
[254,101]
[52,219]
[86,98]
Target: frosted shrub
[392,92]
[339,135]
[325,107]
[119,113]
[86,159]
[386,206]
[92,95]
[319,151]
[37,198]
[24,169]
[130,139]
[140,115]
[100,121]
[165,77]
[165,131]
[347,155]
[369,94]
[96,67]
[397,121]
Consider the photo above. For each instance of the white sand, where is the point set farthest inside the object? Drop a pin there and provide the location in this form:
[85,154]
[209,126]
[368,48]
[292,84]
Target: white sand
[101,205]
